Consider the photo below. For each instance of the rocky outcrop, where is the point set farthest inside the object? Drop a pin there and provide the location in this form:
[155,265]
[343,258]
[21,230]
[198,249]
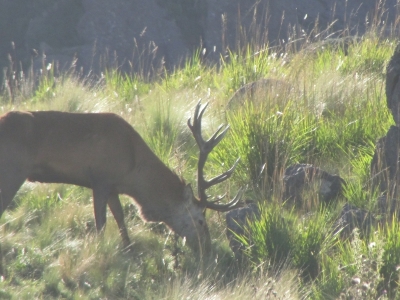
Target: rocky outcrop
[393,85]
[299,178]
[385,163]
[231,23]
[145,36]
[129,35]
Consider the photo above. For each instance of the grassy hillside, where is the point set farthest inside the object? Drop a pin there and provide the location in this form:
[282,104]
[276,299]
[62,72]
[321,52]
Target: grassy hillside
[330,111]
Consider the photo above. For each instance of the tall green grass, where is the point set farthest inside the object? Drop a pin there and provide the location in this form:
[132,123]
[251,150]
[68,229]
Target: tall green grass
[331,117]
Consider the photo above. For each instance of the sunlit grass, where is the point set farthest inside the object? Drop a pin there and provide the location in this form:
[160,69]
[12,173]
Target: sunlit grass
[331,117]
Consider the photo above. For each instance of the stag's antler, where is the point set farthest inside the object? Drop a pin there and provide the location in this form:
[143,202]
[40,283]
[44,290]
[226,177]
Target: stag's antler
[205,148]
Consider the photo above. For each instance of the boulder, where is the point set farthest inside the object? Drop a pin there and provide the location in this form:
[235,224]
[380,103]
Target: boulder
[133,36]
[393,85]
[385,163]
[387,206]
[236,222]
[148,36]
[300,178]
[352,217]
[232,23]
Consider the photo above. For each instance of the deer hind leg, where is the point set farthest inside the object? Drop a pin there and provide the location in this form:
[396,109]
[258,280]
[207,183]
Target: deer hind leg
[101,193]
[115,206]
[10,182]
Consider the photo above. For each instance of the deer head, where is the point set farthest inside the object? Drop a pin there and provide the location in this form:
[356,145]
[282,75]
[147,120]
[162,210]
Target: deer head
[194,226]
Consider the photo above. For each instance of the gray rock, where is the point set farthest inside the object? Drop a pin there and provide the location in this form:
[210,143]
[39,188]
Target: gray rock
[131,35]
[352,217]
[148,36]
[232,23]
[302,177]
[385,163]
[387,206]
[236,221]
[393,85]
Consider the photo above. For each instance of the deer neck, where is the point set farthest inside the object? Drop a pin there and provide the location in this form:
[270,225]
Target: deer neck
[155,188]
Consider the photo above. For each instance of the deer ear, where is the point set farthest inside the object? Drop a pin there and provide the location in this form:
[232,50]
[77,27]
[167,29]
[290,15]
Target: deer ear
[188,193]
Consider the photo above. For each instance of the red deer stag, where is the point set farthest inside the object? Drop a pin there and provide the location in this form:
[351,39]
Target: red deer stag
[103,152]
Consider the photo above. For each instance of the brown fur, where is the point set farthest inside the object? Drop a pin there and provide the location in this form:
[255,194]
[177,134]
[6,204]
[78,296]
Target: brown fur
[102,152]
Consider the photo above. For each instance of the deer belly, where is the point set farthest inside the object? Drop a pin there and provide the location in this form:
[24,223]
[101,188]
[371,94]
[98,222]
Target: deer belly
[48,174]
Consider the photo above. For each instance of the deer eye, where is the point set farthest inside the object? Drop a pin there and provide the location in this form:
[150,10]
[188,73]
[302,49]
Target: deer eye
[201,222]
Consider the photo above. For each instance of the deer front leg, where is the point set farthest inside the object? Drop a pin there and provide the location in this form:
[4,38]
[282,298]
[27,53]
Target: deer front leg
[115,206]
[103,195]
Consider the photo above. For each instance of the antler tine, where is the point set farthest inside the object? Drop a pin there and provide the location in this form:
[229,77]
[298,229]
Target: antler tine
[234,203]
[205,148]
[222,177]
[217,137]
[197,115]
[196,126]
